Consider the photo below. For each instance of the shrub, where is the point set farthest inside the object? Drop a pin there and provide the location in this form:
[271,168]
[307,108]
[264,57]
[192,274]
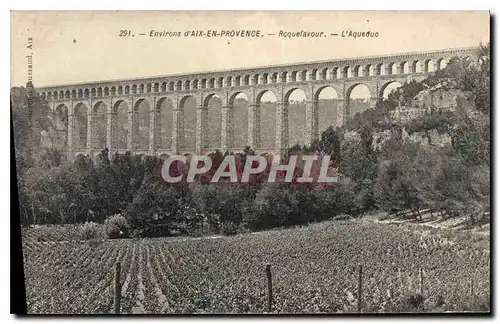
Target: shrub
[90,230]
[116,226]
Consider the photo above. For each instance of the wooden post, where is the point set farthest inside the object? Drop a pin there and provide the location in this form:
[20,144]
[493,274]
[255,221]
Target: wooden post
[118,288]
[421,282]
[269,288]
[360,288]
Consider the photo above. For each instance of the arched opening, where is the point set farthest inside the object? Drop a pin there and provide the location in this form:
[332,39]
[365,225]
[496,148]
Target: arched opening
[214,105]
[324,74]
[80,127]
[356,71]
[140,125]
[441,64]
[293,76]
[239,102]
[405,67]
[120,113]
[358,99]
[327,101]
[203,83]
[187,85]
[171,86]
[106,91]
[229,81]
[297,128]
[61,127]
[284,77]
[237,81]
[195,84]
[266,101]
[417,67]
[211,83]
[274,77]
[314,75]
[163,123]
[388,88]
[113,91]
[178,86]
[127,89]
[247,80]
[80,94]
[264,78]
[220,82]
[99,122]
[188,106]
[303,76]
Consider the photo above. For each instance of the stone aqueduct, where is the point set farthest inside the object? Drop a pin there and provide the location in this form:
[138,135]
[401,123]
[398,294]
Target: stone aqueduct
[342,75]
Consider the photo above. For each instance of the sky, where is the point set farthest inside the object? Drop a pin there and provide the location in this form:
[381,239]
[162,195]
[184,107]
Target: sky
[82,46]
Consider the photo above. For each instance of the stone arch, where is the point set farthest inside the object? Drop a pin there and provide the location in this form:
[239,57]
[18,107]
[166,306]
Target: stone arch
[120,123]
[327,101]
[382,92]
[314,75]
[391,68]
[80,122]
[295,100]
[203,83]
[195,84]
[213,103]
[98,124]
[274,77]
[106,91]
[171,86]
[255,79]
[80,93]
[61,94]
[99,92]
[113,91]
[323,74]
[246,80]
[187,105]
[284,77]
[293,76]
[303,76]
[355,71]
[163,87]
[265,78]
[266,107]
[355,105]
[211,83]
[429,65]
[163,123]
[127,89]
[239,104]
[187,85]
[140,124]
[237,81]
[178,85]
[441,63]
[148,88]
[141,88]
[229,81]
[220,82]
[86,93]
[156,87]
[134,89]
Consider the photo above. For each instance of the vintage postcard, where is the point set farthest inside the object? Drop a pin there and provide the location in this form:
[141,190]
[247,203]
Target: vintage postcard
[251,162]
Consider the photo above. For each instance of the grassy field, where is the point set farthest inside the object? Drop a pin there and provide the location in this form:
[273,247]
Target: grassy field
[314,270]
